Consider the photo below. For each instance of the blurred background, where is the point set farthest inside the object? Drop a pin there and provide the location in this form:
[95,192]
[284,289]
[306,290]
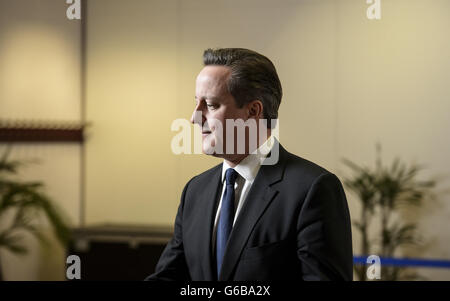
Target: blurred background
[92,101]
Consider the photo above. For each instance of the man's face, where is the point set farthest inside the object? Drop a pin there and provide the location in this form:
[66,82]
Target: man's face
[216,105]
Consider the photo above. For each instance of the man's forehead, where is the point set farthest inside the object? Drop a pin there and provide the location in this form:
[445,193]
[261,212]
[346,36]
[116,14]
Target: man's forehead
[212,80]
[214,72]
[208,96]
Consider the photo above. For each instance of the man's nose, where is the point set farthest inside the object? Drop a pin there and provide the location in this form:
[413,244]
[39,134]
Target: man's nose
[198,117]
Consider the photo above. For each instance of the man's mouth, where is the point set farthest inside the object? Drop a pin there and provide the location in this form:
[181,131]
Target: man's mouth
[206,133]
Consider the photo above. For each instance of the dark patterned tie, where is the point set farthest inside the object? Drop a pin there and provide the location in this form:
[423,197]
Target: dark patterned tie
[226,217]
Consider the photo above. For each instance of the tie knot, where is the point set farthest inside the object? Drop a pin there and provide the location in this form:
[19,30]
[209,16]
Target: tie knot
[230,176]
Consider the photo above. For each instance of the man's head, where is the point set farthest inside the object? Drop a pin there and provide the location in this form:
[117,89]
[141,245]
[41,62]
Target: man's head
[235,84]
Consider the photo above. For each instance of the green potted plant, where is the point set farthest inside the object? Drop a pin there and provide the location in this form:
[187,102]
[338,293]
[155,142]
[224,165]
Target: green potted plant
[382,192]
[23,201]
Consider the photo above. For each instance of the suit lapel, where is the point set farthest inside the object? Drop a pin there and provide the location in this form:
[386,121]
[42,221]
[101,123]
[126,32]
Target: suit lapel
[258,199]
[210,200]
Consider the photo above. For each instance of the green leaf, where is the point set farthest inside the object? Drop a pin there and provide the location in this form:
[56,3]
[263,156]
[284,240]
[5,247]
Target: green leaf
[28,200]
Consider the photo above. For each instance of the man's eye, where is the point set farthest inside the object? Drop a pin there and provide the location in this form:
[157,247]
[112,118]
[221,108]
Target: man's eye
[211,106]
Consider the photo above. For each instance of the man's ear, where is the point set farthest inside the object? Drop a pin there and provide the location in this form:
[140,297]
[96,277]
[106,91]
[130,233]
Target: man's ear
[255,109]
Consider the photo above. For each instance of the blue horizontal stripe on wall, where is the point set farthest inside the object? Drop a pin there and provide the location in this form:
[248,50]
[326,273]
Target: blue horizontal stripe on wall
[417,262]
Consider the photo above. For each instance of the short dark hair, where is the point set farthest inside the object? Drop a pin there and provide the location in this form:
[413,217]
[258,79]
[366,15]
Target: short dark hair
[253,76]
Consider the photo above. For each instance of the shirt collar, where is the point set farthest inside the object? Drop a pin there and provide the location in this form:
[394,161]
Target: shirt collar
[248,168]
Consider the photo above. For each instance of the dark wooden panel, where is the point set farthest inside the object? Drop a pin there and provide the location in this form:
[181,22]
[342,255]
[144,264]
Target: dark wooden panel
[41,132]
[118,252]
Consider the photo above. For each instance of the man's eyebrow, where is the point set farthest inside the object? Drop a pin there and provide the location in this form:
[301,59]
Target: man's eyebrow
[211,97]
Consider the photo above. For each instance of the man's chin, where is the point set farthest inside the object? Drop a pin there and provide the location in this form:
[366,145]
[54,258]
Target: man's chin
[211,151]
[214,155]
[209,146]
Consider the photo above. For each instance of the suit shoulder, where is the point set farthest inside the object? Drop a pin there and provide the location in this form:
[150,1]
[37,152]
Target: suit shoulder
[299,167]
[302,175]
[205,177]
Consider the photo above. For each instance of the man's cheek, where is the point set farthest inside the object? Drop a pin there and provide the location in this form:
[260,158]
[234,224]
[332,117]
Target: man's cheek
[210,140]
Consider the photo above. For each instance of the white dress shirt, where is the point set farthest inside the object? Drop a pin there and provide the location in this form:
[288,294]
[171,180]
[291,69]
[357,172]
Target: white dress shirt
[247,170]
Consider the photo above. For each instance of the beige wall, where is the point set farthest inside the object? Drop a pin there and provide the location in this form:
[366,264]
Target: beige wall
[141,76]
[40,80]
[392,87]
[131,100]
[348,83]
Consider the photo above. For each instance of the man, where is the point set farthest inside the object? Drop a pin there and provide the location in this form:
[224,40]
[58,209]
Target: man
[245,219]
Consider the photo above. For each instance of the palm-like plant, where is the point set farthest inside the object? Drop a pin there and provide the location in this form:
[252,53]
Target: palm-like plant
[25,200]
[384,190]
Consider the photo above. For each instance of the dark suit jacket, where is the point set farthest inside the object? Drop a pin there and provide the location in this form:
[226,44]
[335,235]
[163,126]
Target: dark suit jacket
[294,225]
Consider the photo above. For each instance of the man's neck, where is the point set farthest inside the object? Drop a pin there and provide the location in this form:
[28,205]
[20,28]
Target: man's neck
[235,160]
